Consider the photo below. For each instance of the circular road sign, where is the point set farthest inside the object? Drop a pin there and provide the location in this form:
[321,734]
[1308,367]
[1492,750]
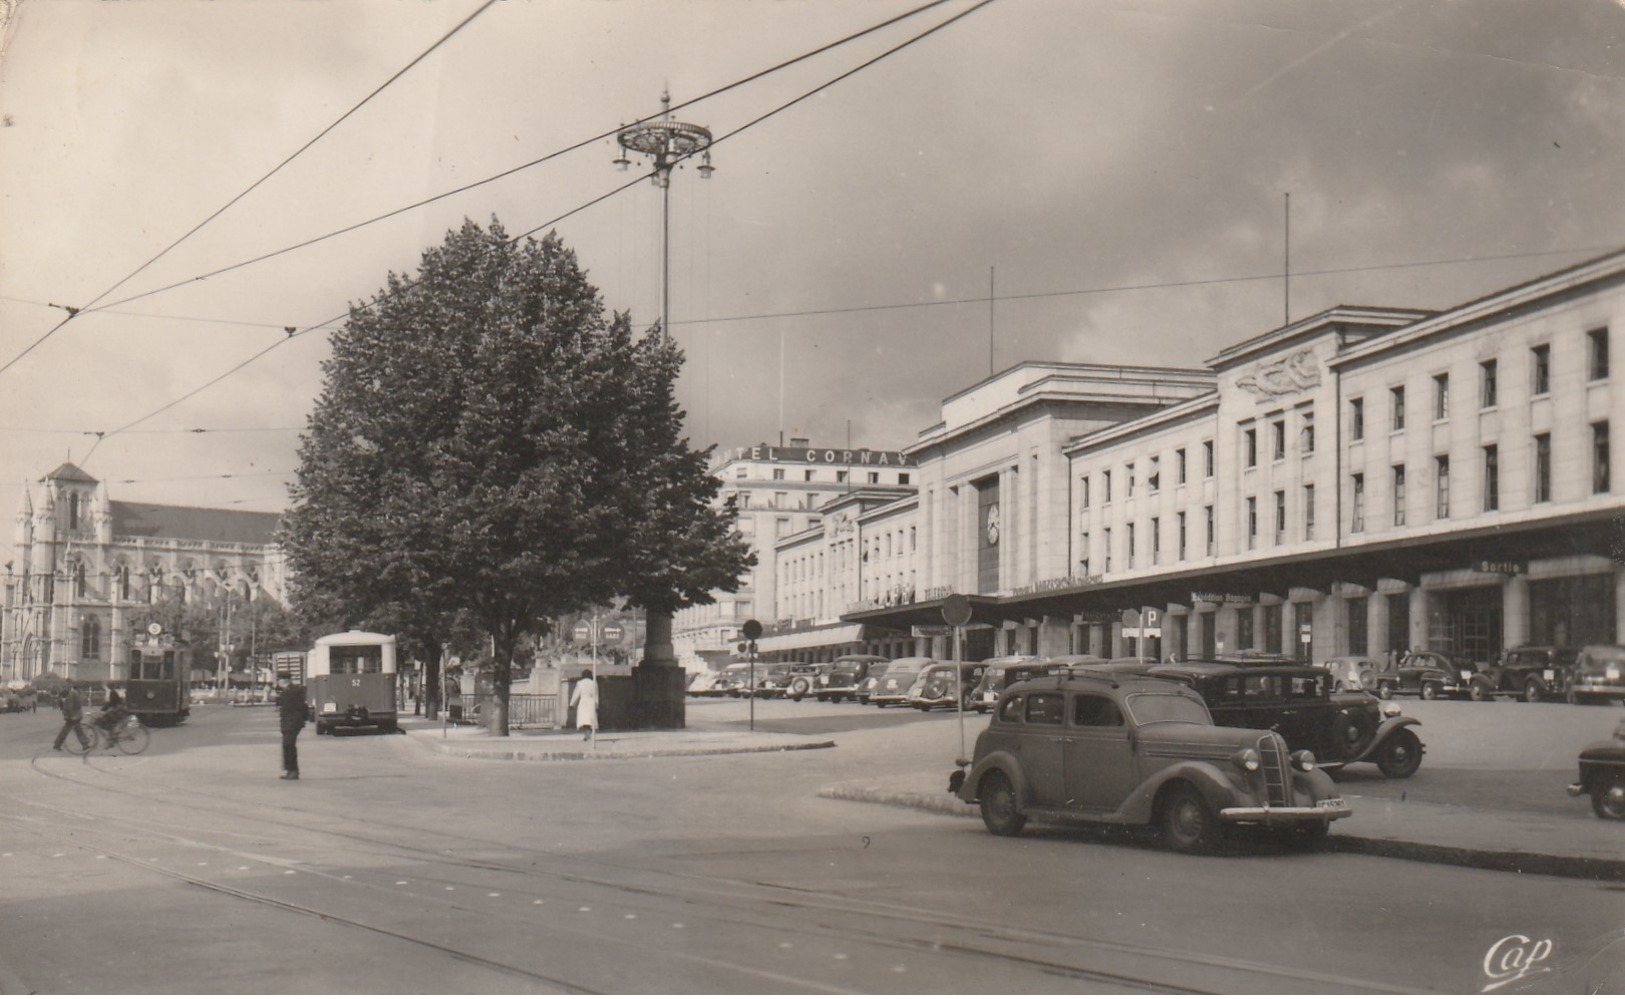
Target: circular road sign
[614,632]
[751,629]
[582,632]
[956,610]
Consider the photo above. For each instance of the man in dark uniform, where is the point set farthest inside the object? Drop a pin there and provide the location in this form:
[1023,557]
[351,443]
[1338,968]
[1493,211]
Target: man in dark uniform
[73,709]
[290,709]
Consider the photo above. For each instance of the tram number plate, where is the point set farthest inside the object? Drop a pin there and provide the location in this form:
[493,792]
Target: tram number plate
[355,681]
[1331,803]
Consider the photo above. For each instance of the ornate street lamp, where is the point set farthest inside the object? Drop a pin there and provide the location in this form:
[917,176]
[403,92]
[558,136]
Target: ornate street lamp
[667,143]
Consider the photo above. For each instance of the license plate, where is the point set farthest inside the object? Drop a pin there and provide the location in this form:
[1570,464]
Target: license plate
[1549,674]
[1466,674]
[1331,803]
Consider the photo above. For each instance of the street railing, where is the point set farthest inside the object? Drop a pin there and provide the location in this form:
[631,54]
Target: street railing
[524,710]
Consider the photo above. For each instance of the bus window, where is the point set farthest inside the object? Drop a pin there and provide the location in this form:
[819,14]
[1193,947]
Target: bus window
[349,659]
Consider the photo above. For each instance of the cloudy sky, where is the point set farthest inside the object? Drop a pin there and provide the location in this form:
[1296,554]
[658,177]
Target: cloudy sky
[1041,179]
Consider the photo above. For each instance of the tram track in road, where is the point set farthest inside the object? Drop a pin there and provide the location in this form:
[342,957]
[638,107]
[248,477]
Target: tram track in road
[839,922]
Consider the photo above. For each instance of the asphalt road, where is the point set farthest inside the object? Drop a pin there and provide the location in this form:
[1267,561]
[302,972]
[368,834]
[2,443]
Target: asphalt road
[391,868]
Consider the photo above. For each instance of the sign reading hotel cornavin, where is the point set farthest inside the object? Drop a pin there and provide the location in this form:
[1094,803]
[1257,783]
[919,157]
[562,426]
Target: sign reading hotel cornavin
[815,455]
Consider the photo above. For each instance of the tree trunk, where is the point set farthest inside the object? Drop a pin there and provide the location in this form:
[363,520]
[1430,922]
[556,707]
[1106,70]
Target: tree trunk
[431,680]
[502,681]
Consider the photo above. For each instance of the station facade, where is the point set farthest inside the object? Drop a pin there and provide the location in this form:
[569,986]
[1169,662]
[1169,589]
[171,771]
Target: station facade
[87,566]
[1358,481]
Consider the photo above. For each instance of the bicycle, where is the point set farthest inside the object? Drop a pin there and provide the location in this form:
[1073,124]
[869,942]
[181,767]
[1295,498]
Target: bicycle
[128,736]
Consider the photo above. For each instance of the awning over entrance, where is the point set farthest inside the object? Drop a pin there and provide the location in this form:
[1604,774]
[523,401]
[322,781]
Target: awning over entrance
[1598,532]
[811,638]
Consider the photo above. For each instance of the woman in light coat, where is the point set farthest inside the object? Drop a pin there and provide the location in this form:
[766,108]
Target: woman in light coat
[585,700]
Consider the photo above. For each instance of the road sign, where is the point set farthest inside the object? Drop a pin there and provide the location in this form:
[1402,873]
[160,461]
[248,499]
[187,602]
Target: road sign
[582,632]
[614,632]
[956,610]
[751,629]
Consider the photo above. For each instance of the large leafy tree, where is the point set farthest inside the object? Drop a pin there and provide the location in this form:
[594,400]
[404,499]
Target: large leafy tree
[490,441]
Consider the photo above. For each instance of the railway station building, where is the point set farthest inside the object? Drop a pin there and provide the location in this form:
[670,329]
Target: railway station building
[86,566]
[1357,481]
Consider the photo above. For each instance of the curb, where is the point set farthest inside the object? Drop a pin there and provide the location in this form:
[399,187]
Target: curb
[1506,861]
[547,755]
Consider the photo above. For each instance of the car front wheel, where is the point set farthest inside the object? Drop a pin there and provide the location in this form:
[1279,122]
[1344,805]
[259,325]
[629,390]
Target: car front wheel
[1431,691]
[1400,755]
[1534,691]
[1480,691]
[999,811]
[1608,800]
[1188,824]
[1385,690]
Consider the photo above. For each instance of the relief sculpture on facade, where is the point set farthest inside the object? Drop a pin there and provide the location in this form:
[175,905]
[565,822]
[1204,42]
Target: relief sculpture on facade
[1293,373]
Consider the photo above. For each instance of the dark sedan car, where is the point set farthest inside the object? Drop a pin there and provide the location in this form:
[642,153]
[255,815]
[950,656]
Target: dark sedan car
[1125,749]
[1431,675]
[1602,775]
[1298,702]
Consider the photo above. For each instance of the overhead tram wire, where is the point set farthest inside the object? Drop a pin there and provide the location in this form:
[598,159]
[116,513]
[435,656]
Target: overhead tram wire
[524,166]
[409,285]
[1151,286]
[74,312]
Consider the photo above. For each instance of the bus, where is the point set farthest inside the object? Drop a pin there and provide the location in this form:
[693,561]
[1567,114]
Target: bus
[350,682]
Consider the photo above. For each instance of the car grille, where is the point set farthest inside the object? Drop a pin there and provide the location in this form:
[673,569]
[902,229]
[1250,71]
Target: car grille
[1272,754]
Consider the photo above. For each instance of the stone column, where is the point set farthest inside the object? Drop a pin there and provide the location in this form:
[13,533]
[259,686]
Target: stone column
[1515,611]
[1619,604]
[1376,624]
[1419,618]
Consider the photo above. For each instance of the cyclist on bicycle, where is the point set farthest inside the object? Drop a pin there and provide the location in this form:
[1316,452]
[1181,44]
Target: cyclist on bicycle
[114,713]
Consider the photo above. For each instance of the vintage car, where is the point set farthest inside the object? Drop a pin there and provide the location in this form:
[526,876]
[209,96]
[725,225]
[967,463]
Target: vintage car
[1002,671]
[844,676]
[736,679]
[704,683]
[1529,673]
[1353,672]
[1429,674]
[1598,675]
[936,686]
[1297,701]
[1602,775]
[1137,750]
[792,680]
[893,685]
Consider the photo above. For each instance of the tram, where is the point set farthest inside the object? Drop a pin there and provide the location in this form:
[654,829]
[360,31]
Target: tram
[350,682]
[159,690]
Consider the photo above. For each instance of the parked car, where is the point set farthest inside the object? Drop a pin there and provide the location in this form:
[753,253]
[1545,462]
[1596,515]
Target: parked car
[844,677]
[1140,751]
[1602,775]
[936,686]
[1353,672]
[792,680]
[704,683]
[1005,670]
[892,685]
[736,679]
[1298,702]
[1598,675]
[1530,673]
[1429,674]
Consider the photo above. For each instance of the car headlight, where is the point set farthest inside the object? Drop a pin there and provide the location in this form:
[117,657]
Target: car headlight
[1248,760]
[1390,709]
[1304,760]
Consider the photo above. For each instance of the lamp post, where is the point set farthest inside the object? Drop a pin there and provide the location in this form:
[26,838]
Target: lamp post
[667,143]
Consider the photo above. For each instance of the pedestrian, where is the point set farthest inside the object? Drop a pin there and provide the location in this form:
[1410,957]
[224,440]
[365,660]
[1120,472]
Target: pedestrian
[73,709]
[290,709]
[585,700]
